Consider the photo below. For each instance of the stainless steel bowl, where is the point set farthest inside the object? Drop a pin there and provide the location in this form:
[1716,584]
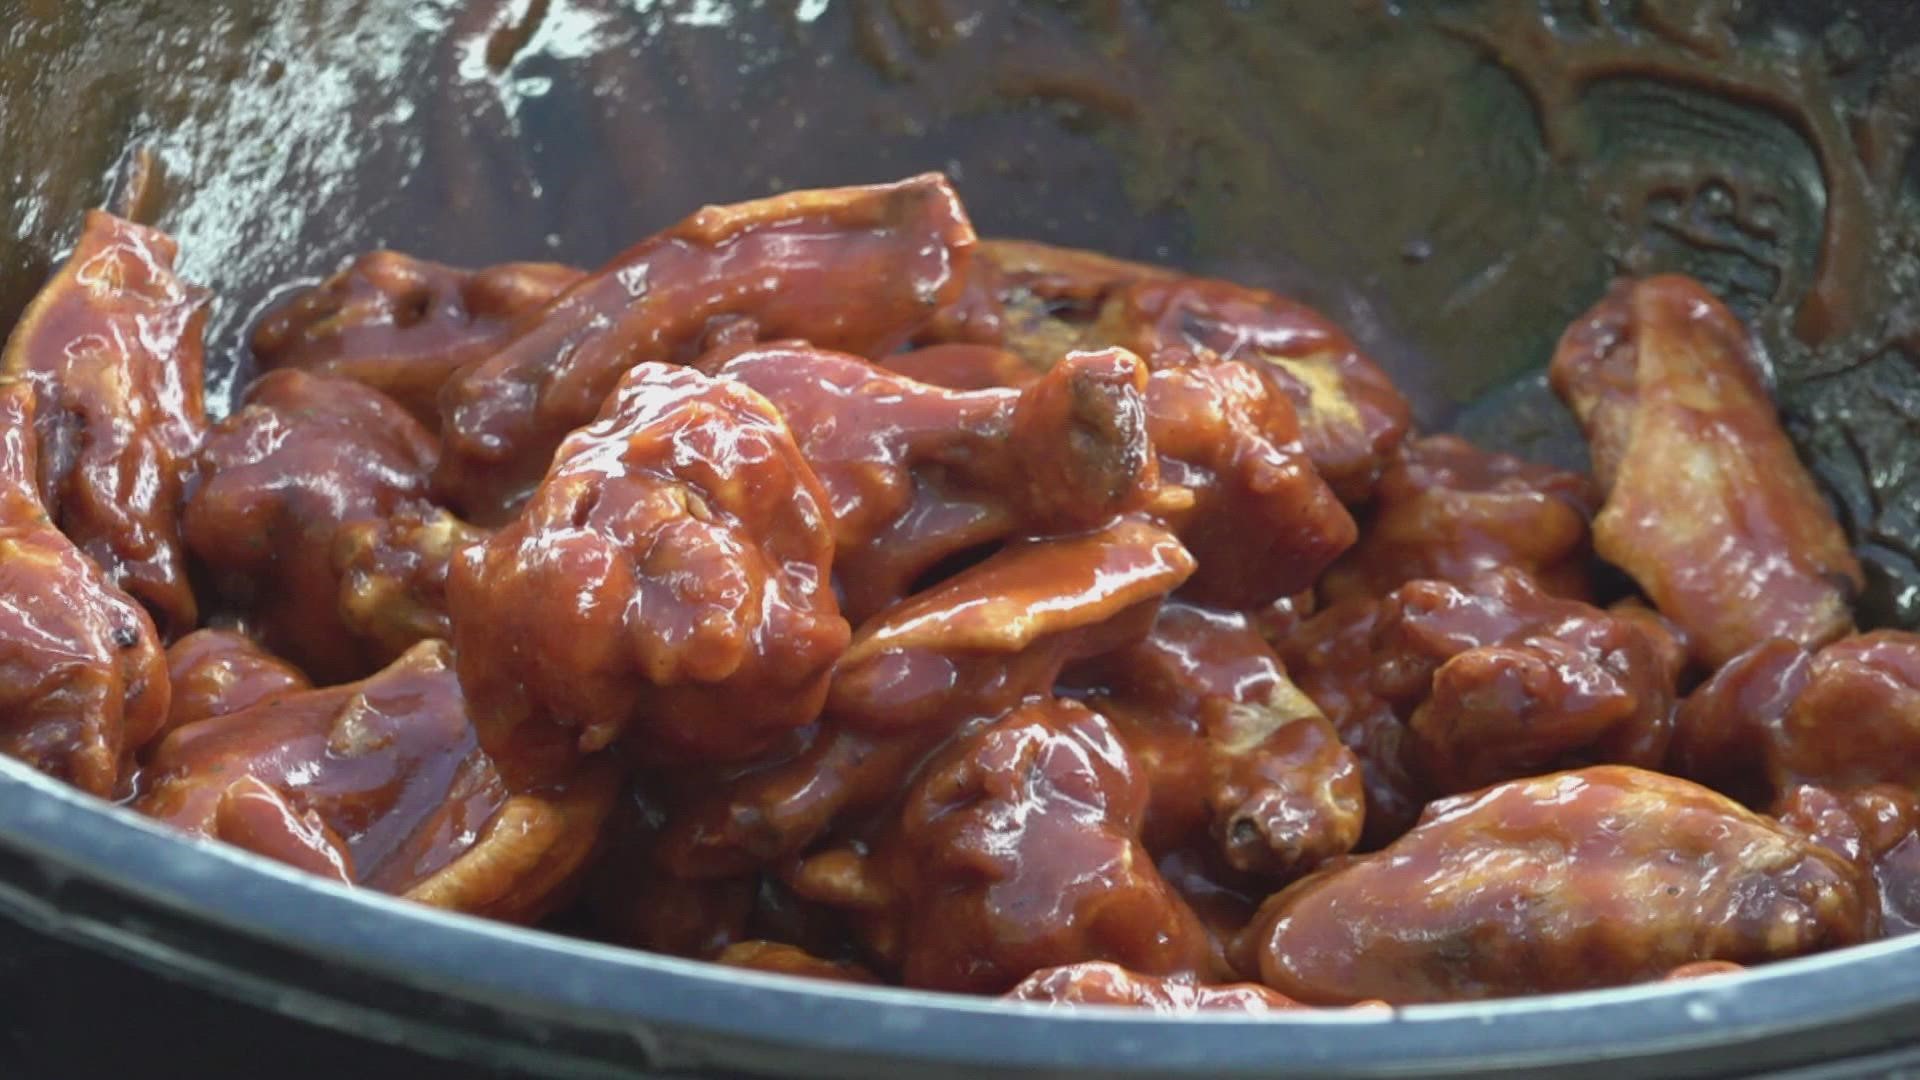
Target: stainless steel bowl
[1453,181]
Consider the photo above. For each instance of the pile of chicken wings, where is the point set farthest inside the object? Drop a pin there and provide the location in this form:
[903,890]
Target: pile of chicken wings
[818,588]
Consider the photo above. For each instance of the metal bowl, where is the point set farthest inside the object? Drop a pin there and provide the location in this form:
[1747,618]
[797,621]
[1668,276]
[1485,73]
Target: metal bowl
[249,934]
[1451,180]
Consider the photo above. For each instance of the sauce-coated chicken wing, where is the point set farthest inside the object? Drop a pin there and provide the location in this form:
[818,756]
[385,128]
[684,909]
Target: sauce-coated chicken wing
[1498,680]
[83,682]
[1042,302]
[1600,877]
[1707,506]
[1247,502]
[1231,749]
[916,474]
[273,485]
[668,584]
[404,325]
[1445,510]
[857,269]
[1016,849]
[974,646]
[216,672]
[112,346]
[379,783]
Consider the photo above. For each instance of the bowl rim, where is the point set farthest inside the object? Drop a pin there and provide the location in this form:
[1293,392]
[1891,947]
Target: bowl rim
[668,1008]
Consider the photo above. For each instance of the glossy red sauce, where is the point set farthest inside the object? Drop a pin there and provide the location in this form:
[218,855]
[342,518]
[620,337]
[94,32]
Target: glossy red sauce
[818,589]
